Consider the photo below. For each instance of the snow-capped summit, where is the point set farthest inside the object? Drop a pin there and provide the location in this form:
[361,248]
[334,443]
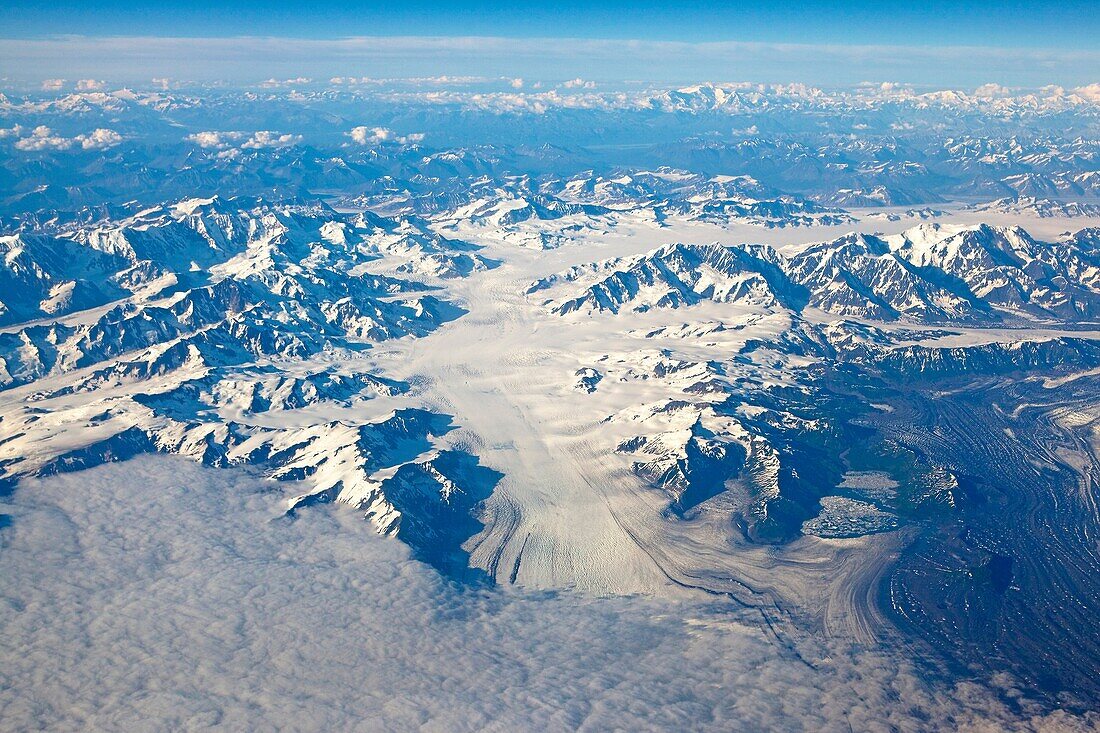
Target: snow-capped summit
[673,276]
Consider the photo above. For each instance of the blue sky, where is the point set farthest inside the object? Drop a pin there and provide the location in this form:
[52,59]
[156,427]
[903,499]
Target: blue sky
[1068,24]
[1022,43]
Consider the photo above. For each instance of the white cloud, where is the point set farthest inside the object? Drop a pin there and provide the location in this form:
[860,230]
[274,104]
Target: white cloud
[439,80]
[517,83]
[353,81]
[272,83]
[1090,92]
[90,85]
[99,139]
[992,91]
[223,140]
[370,135]
[53,85]
[214,139]
[364,135]
[269,139]
[579,83]
[444,80]
[887,88]
[14,131]
[159,594]
[43,138]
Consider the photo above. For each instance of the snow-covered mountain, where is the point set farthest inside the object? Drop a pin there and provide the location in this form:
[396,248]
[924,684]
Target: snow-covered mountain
[674,275]
[759,427]
[590,339]
[205,327]
[929,273]
[192,313]
[666,194]
[1039,208]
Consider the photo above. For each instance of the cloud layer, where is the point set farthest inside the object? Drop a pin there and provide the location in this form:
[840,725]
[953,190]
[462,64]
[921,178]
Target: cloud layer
[159,593]
[298,59]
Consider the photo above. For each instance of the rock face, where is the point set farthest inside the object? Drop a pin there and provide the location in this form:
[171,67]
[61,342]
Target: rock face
[691,464]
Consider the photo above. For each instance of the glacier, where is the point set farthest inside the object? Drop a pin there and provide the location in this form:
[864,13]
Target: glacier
[664,386]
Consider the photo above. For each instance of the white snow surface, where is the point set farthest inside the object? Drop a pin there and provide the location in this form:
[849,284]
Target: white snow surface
[568,511]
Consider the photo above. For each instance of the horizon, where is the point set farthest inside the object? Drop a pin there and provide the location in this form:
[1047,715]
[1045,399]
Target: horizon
[949,45]
[252,59]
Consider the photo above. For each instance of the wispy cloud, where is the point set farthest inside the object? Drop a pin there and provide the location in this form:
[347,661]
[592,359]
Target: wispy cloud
[276,83]
[258,58]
